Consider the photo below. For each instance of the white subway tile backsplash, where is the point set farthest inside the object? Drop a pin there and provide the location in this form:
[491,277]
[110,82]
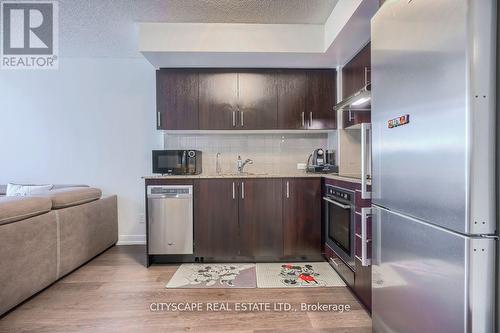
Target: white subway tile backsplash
[271,153]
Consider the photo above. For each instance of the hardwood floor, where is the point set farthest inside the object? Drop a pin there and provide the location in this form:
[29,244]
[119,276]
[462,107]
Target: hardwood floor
[113,293]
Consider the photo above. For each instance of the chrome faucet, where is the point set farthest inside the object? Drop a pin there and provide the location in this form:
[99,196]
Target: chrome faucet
[241,164]
[218,169]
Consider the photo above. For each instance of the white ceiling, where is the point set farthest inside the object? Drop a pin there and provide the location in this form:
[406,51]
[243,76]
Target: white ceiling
[248,11]
[106,28]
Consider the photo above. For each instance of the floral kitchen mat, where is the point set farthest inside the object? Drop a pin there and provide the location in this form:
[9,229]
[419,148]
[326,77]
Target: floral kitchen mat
[296,275]
[214,276]
[266,275]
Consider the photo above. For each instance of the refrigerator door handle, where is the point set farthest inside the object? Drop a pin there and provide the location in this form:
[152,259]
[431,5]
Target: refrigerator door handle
[365,212]
[376,236]
[365,160]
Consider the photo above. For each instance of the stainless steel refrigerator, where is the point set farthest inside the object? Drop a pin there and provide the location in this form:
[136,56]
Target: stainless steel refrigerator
[433,166]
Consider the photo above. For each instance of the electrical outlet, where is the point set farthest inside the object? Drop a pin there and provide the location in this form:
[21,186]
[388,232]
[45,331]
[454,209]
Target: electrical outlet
[142,218]
[301,166]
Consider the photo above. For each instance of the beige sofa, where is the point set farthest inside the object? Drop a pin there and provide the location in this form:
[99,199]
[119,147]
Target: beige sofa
[44,237]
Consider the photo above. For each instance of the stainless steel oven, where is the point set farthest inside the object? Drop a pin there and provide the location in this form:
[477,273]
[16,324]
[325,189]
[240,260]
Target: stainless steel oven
[340,223]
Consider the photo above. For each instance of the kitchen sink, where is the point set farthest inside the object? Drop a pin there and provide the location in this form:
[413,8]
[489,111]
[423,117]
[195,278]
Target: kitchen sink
[244,174]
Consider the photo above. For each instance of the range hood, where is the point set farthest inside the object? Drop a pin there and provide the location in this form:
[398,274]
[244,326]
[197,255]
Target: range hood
[359,101]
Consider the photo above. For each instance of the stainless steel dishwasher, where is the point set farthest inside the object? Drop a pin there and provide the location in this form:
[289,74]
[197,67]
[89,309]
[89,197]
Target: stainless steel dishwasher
[170,219]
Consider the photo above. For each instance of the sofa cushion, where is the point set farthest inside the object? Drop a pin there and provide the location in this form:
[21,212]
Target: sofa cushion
[26,190]
[72,196]
[19,208]
[3,187]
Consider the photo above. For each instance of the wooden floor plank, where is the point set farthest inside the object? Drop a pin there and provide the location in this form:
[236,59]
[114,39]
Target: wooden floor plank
[113,293]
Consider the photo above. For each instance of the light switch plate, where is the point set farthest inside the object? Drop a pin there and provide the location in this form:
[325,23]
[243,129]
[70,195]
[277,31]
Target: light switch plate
[301,166]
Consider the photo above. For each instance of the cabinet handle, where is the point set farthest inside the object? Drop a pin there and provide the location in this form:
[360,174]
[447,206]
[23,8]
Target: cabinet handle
[303,119]
[310,119]
[242,190]
[288,189]
[241,118]
[234,192]
[334,261]
[234,118]
[158,119]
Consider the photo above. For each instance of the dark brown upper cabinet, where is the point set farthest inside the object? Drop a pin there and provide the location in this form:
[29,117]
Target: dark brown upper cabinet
[216,229]
[257,100]
[292,91]
[260,216]
[321,98]
[302,217]
[243,99]
[353,117]
[356,73]
[218,102]
[355,76]
[177,99]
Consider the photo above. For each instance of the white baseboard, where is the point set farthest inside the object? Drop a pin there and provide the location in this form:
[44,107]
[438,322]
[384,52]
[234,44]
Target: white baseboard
[131,240]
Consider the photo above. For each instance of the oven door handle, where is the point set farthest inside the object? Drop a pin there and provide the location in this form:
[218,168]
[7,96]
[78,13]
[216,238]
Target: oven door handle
[337,203]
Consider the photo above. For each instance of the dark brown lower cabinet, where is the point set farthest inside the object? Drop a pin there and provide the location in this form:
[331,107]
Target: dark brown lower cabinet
[302,216]
[261,227]
[216,231]
[257,217]
[363,284]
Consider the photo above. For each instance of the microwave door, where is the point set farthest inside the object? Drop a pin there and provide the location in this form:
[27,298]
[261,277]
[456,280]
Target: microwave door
[167,162]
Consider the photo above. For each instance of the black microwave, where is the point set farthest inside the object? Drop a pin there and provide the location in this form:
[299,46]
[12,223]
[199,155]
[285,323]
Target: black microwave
[177,162]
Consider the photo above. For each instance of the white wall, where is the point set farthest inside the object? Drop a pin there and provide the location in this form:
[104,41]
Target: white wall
[92,122]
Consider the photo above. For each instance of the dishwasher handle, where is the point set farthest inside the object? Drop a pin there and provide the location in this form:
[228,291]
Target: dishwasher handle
[169,196]
[169,191]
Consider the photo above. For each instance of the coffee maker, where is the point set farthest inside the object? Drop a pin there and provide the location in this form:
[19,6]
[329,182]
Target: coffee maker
[322,162]
[318,157]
